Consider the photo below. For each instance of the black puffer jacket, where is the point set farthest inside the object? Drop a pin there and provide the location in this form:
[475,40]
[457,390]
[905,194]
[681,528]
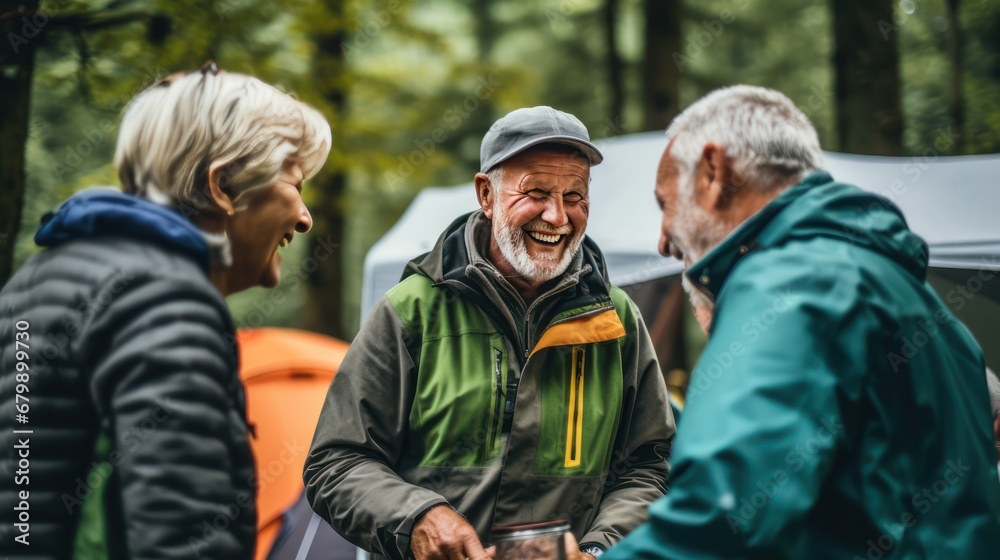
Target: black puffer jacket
[136,413]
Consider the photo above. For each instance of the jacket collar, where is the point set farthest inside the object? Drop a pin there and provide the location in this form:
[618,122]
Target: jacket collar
[103,211]
[710,273]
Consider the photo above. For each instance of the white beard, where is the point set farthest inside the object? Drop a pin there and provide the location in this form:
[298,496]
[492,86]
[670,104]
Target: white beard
[698,299]
[510,239]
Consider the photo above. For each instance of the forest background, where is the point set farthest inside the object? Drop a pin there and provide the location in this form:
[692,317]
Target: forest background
[411,86]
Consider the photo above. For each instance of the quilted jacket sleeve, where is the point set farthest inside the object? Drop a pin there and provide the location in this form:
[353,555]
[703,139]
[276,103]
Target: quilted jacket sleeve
[164,377]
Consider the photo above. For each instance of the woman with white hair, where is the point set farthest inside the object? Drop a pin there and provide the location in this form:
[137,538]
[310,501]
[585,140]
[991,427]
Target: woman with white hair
[118,365]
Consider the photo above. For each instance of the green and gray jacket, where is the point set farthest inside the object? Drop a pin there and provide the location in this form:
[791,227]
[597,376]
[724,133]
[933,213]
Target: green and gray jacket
[839,409]
[455,393]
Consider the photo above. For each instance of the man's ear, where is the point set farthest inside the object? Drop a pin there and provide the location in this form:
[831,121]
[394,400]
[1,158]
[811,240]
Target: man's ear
[485,194]
[218,188]
[713,180]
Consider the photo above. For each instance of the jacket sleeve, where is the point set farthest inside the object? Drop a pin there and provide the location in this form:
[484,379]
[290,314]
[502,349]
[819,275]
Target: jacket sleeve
[638,472]
[764,417]
[162,375]
[349,475]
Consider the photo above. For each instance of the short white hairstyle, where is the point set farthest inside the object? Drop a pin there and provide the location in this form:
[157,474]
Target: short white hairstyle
[769,139]
[172,132]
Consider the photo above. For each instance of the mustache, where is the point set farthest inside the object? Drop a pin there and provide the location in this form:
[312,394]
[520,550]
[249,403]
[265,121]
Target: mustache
[544,227]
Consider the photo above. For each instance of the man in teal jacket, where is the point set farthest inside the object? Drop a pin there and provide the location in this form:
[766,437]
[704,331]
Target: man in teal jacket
[503,380]
[839,409]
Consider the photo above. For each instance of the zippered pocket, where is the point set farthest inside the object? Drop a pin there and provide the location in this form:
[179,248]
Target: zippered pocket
[574,416]
[499,379]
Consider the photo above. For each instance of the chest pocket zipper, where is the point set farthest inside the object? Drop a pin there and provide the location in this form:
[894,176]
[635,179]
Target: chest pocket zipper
[496,419]
[574,418]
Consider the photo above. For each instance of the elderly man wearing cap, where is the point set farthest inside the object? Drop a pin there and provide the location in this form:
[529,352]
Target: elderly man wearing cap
[504,379]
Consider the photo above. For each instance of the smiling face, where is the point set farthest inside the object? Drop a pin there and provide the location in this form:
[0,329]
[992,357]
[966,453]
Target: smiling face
[268,219]
[539,214]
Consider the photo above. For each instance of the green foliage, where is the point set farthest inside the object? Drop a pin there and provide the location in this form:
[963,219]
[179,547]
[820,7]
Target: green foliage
[424,80]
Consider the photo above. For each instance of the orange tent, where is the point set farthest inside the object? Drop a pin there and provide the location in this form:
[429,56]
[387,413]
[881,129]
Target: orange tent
[286,373]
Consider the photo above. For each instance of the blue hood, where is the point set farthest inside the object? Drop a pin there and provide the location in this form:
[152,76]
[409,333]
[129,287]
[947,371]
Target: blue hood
[101,212]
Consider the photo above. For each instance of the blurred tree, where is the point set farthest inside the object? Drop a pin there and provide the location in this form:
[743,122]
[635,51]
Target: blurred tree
[868,90]
[662,64]
[982,76]
[26,28]
[486,32]
[411,87]
[326,282]
[613,62]
[956,75]
[17,59]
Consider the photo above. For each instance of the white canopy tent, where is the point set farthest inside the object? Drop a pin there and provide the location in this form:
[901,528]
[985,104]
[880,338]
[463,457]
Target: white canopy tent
[952,202]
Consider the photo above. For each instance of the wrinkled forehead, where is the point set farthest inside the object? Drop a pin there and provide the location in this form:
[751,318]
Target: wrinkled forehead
[546,164]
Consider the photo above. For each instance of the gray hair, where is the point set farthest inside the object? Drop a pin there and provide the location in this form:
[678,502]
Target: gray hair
[496,176]
[172,132]
[771,142]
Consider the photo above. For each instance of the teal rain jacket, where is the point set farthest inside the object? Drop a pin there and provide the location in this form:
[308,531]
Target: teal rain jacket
[839,409]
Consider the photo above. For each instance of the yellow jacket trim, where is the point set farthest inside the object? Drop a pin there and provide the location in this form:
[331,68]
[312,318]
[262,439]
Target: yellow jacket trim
[597,328]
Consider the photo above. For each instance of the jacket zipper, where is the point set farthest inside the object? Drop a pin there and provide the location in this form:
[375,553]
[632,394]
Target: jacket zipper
[527,314]
[574,420]
[498,400]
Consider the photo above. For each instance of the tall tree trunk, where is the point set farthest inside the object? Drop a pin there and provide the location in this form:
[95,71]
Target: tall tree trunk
[660,104]
[660,75]
[486,36]
[955,53]
[616,83]
[19,36]
[486,32]
[866,69]
[325,310]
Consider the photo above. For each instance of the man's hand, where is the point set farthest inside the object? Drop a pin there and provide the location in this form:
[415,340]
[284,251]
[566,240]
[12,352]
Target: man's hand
[443,534]
[573,549]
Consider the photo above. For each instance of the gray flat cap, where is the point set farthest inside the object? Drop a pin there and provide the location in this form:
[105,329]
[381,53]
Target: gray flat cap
[523,128]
